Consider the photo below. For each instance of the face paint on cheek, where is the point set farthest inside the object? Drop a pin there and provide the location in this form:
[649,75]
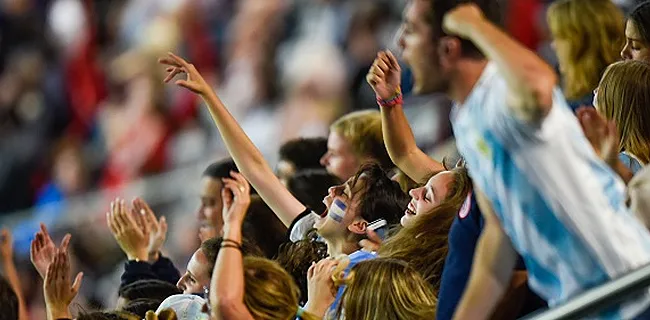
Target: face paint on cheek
[337,210]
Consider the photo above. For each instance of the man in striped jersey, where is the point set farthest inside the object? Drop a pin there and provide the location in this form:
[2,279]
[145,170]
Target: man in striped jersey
[543,191]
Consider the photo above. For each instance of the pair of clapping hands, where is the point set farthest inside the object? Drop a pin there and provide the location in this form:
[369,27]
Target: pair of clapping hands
[137,230]
[53,265]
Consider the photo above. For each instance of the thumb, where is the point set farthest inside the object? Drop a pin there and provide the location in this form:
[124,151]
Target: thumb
[77,283]
[163,225]
[188,85]
[65,242]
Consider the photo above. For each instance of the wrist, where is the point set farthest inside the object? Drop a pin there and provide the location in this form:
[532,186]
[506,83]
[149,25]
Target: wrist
[58,312]
[232,232]
[317,309]
[396,99]
[232,225]
[153,256]
[142,256]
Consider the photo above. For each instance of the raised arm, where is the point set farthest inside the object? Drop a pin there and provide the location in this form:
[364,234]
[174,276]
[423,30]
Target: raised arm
[530,80]
[10,272]
[227,284]
[492,268]
[248,158]
[384,77]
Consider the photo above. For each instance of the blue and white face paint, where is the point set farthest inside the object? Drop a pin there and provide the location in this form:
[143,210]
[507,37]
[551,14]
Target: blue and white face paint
[337,210]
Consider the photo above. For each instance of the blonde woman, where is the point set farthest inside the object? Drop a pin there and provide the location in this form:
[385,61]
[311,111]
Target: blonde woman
[386,289]
[622,99]
[587,37]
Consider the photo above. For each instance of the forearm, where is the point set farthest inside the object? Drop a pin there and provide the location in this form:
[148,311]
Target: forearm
[251,163]
[402,148]
[492,268]
[488,282]
[530,80]
[227,287]
[11,274]
[248,158]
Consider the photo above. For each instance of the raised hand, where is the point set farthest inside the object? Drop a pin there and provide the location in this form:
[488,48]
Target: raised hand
[602,134]
[57,287]
[460,20]
[42,250]
[6,245]
[133,239]
[156,228]
[236,198]
[385,75]
[321,289]
[372,243]
[177,65]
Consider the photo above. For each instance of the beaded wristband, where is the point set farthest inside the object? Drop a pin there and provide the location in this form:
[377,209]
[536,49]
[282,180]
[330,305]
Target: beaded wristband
[396,99]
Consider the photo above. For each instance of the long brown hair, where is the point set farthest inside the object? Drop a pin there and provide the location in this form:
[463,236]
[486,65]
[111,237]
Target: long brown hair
[594,33]
[424,243]
[386,289]
[624,96]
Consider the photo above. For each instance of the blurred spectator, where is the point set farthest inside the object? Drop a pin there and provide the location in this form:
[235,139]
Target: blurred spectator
[582,63]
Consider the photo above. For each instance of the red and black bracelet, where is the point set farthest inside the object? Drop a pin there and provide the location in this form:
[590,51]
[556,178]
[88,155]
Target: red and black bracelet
[396,99]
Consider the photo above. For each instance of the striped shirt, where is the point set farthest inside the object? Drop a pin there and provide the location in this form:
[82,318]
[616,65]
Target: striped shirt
[562,207]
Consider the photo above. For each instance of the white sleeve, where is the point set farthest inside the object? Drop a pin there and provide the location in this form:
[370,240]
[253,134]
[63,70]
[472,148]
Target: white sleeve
[302,226]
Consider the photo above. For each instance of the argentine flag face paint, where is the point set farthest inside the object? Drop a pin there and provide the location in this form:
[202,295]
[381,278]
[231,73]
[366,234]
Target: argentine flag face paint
[337,210]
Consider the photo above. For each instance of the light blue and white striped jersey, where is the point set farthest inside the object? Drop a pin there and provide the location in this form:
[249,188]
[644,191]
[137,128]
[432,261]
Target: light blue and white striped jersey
[562,207]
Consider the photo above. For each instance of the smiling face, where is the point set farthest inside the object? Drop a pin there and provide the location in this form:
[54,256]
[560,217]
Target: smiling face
[197,275]
[635,47]
[429,196]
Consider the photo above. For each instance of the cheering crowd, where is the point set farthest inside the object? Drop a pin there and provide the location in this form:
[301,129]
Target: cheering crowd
[549,197]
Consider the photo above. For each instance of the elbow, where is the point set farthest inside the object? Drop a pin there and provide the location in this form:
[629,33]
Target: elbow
[536,99]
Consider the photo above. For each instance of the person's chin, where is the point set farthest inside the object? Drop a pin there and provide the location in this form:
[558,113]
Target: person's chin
[406,219]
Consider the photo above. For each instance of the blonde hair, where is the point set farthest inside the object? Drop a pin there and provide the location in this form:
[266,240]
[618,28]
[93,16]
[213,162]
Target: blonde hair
[362,130]
[386,289]
[624,96]
[424,243]
[270,292]
[594,31]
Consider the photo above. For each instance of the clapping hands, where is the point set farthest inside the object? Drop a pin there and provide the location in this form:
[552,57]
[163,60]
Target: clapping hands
[602,134]
[137,231]
[43,250]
